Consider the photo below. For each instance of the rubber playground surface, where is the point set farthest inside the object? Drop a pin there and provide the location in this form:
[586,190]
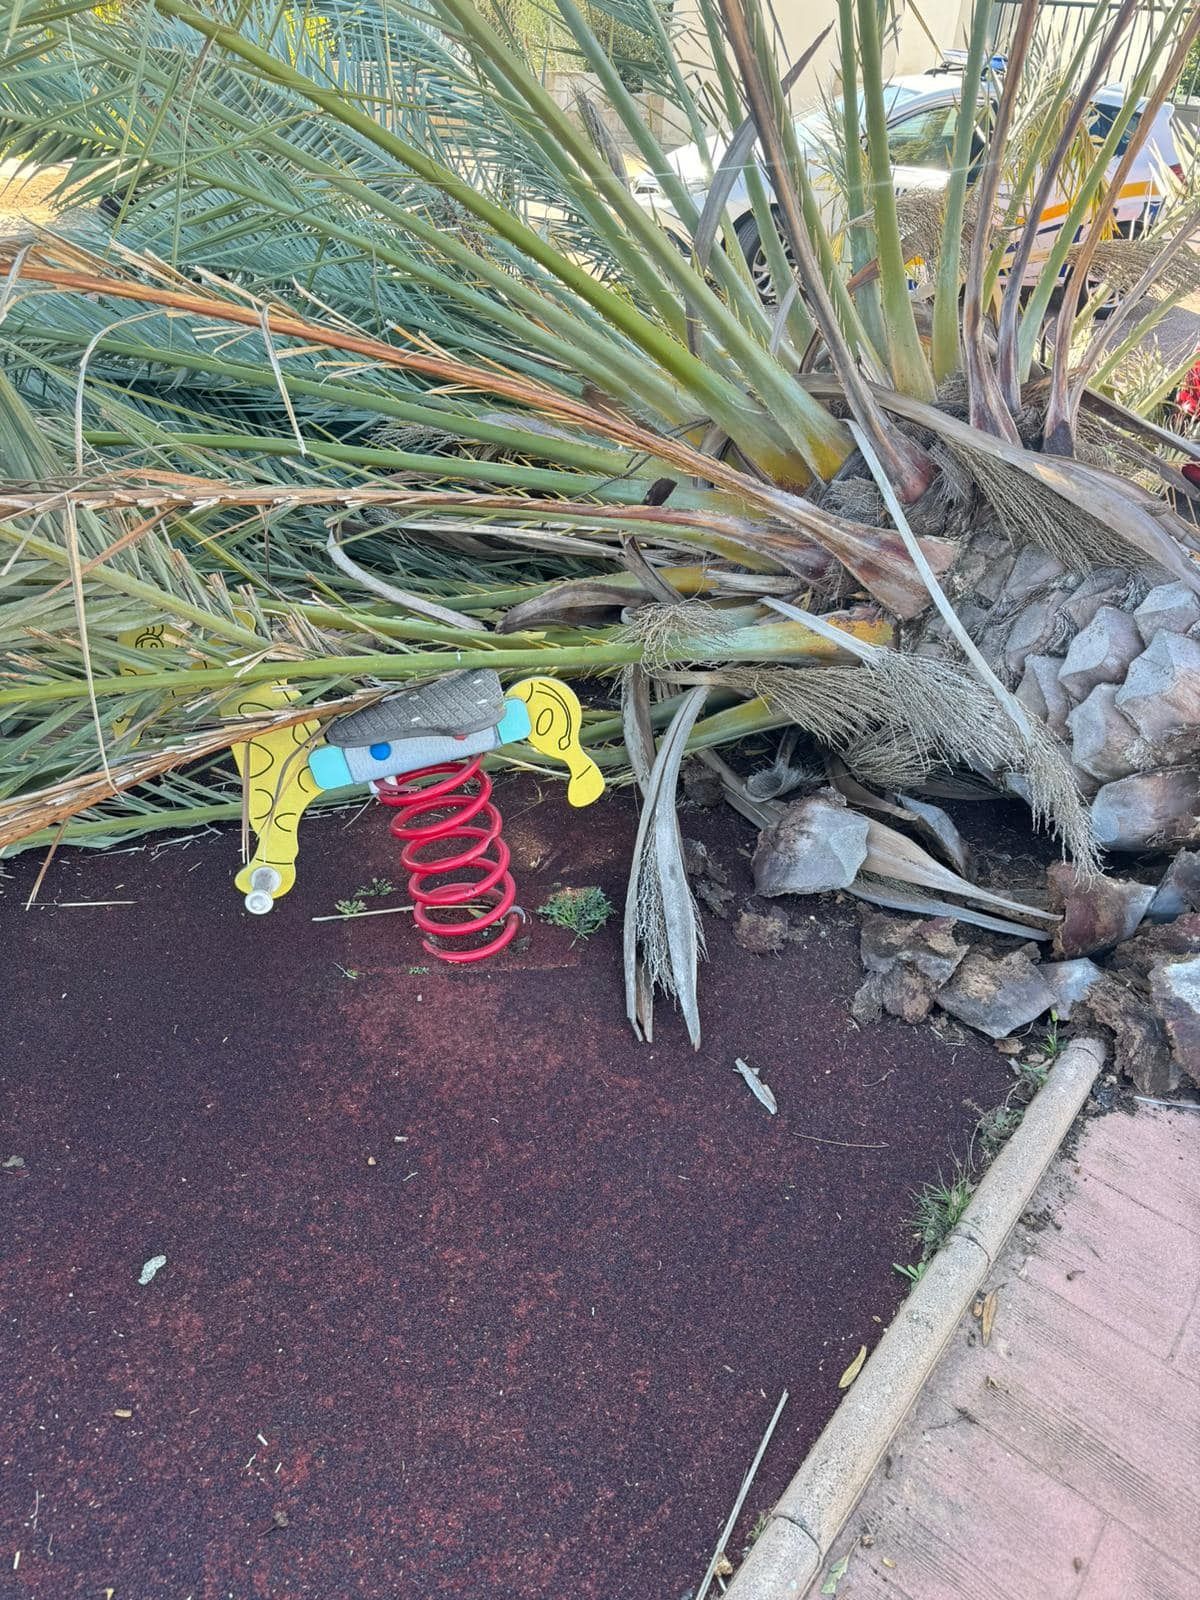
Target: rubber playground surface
[467,1292]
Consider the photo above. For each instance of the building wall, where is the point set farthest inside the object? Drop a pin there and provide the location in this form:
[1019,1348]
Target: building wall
[800,22]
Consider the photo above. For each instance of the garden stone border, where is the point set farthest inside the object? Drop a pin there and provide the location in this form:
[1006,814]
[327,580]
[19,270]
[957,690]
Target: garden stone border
[813,1509]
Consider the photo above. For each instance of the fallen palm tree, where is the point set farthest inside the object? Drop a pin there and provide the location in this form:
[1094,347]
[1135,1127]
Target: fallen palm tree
[372,368]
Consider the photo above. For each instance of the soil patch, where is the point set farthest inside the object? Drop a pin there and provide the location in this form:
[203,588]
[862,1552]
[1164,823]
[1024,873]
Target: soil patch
[467,1293]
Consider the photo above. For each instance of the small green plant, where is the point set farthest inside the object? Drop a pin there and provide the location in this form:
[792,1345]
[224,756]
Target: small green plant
[350,908]
[417,972]
[760,1523]
[914,1272]
[583,911]
[938,1209]
[1032,1075]
[376,887]
[1052,1044]
[997,1126]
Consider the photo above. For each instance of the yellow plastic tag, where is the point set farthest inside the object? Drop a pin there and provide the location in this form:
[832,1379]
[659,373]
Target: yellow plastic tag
[555,719]
[274,769]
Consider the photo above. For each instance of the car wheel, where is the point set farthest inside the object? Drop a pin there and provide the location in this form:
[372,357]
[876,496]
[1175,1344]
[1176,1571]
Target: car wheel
[750,241]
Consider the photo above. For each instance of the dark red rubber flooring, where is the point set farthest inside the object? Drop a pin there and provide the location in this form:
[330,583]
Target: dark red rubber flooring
[468,1294]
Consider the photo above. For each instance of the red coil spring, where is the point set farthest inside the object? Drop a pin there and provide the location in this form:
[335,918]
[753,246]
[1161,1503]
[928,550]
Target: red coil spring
[436,906]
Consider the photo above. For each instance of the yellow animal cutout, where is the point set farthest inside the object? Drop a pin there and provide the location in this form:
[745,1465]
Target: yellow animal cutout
[154,636]
[274,769]
[555,718]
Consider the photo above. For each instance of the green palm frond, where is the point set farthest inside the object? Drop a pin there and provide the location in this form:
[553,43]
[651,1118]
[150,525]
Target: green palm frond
[346,270]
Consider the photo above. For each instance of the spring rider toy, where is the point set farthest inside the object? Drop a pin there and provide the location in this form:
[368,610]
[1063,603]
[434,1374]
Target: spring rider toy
[438,732]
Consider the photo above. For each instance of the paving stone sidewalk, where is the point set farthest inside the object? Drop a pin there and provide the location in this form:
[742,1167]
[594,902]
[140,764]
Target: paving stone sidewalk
[1061,1461]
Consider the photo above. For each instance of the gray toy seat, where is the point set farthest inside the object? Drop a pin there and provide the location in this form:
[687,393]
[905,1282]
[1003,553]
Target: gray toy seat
[461,702]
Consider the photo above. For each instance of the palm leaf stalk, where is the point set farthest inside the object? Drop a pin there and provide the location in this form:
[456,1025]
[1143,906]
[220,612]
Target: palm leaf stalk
[946,343]
[382,371]
[1096,181]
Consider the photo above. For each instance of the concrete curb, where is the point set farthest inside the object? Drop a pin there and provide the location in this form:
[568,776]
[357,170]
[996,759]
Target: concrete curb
[812,1510]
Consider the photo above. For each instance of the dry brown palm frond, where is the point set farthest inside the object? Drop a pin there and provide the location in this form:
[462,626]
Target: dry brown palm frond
[835,704]
[898,718]
[664,937]
[57,802]
[1102,503]
[1030,512]
[687,629]
[1099,441]
[1120,263]
[922,213]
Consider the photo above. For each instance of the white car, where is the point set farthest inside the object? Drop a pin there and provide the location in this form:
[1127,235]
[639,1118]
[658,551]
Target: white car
[922,119]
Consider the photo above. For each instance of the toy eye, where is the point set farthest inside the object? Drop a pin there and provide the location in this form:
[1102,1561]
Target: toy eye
[380,752]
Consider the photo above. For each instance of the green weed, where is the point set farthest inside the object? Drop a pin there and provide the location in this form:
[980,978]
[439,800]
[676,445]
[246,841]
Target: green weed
[1052,1045]
[938,1209]
[760,1523]
[583,911]
[376,887]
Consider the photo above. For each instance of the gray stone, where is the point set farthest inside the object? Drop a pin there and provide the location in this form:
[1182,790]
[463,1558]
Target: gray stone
[1103,742]
[1172,606]
[818,844]
[762,933]
[1094,915]
[1032,571]
[1179,891]
[996,996]
[1106,586]
[1161,696]
[1175,990]
[1100,653]
[1070,982]
[1140,1046]
[906,994]
[928,945]
[1150,810]
[1034,632]
[1041,693]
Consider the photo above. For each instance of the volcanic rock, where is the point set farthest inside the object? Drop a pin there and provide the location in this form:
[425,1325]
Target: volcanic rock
[997,996]
[1149,810]
[1175,990]
[818,844]
[1095,915]
[1100,653]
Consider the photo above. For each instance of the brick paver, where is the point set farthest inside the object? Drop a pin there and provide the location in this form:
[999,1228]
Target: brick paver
[1062,1460]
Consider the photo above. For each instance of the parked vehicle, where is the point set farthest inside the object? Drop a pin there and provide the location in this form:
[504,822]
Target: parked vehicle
[923,112]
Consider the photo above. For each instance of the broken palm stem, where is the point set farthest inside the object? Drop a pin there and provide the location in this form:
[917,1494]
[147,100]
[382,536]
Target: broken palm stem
[731,1520]
[663,939]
